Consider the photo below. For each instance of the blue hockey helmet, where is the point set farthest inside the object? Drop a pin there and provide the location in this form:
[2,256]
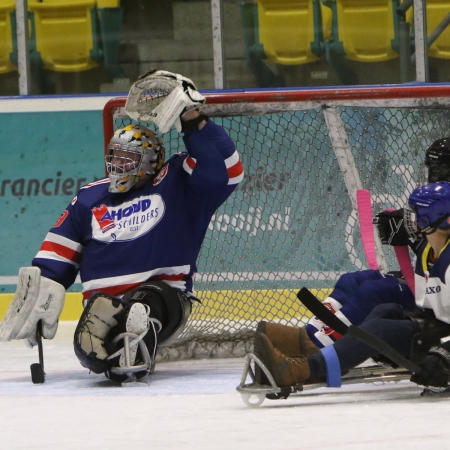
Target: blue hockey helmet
[431,206]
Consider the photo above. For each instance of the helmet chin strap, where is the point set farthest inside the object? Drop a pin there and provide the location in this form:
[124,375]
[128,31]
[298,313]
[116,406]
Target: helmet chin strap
[432,228]
[425,232]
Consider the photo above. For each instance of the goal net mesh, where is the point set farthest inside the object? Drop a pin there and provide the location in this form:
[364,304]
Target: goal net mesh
[292,221]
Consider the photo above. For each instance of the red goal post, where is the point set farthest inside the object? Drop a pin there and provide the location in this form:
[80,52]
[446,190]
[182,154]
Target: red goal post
[292,222]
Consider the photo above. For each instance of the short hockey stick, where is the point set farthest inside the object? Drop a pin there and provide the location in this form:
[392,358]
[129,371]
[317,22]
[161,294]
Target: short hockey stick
[404,261]
[37,369]
[326,316]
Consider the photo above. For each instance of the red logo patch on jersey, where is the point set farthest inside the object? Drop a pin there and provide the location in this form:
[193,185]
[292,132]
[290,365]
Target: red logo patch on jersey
[61,219]
[161,175]
[104,219]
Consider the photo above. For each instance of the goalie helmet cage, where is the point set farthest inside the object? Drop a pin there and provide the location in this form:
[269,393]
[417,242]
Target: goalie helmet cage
[292,222]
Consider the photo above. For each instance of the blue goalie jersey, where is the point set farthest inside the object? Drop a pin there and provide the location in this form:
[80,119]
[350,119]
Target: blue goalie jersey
[118,241]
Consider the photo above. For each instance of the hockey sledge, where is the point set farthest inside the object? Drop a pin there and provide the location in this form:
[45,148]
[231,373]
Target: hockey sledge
[253,394]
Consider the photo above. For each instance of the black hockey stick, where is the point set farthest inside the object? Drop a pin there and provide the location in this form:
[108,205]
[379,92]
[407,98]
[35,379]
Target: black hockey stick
[37,369]
[326,316]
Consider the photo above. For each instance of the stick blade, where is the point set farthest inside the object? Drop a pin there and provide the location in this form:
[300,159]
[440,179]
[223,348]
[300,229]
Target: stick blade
[37,373]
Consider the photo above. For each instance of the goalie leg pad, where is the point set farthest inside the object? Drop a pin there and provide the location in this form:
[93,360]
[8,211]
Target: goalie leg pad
[153,314]
[168,305]
[95,323]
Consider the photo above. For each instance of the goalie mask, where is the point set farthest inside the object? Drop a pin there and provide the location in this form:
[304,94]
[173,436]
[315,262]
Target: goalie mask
[134,152]
[428,209]
[437,161]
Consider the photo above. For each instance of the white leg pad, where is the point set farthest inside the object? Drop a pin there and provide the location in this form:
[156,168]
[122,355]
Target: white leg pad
[96,324]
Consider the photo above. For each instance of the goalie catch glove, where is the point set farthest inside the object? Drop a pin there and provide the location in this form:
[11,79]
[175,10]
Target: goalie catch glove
[435,369]
[37,299]
[391,228]
[161,97]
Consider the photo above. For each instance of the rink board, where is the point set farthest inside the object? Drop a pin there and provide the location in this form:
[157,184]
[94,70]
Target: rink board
[236,305]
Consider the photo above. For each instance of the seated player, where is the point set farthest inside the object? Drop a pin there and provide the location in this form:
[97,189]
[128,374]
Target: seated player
[301,365]
[357,293]
[133,237]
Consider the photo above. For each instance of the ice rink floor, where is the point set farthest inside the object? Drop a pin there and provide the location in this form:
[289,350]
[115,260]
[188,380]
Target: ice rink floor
[194,405]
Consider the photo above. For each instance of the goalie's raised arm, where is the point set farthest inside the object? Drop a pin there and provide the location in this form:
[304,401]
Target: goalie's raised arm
[193,120]
[213,162]
[162,97]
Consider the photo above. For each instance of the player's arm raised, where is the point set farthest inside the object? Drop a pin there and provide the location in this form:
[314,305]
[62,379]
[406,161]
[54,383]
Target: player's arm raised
[167,99]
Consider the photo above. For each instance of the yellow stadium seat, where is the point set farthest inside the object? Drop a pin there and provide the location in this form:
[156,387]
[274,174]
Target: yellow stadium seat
[287,29]
[108,3]
[365,28]
[6,38]
[65,33]
[436,11]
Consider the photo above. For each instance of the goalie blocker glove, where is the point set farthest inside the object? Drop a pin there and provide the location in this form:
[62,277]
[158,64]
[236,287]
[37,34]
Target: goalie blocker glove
[161,97]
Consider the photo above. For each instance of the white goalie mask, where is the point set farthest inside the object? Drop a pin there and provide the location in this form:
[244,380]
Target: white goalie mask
[134,152]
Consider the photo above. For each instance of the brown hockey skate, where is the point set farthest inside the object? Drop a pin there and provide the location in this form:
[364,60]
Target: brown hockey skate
[286,370]
[292,341]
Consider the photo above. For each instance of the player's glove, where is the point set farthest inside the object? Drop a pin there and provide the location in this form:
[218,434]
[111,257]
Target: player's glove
[435,369]
[162,97]
[37,299]
[391,228]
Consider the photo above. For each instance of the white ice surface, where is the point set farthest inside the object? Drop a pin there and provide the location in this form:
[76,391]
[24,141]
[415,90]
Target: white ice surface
[194,405]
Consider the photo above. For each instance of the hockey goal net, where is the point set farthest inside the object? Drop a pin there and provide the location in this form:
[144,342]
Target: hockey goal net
[292,221]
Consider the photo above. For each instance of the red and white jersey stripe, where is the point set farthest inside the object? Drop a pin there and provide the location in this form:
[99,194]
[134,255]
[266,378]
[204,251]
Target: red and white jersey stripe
[233,165]
[96,183]
[234,168]
[62,249]
[116,286]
